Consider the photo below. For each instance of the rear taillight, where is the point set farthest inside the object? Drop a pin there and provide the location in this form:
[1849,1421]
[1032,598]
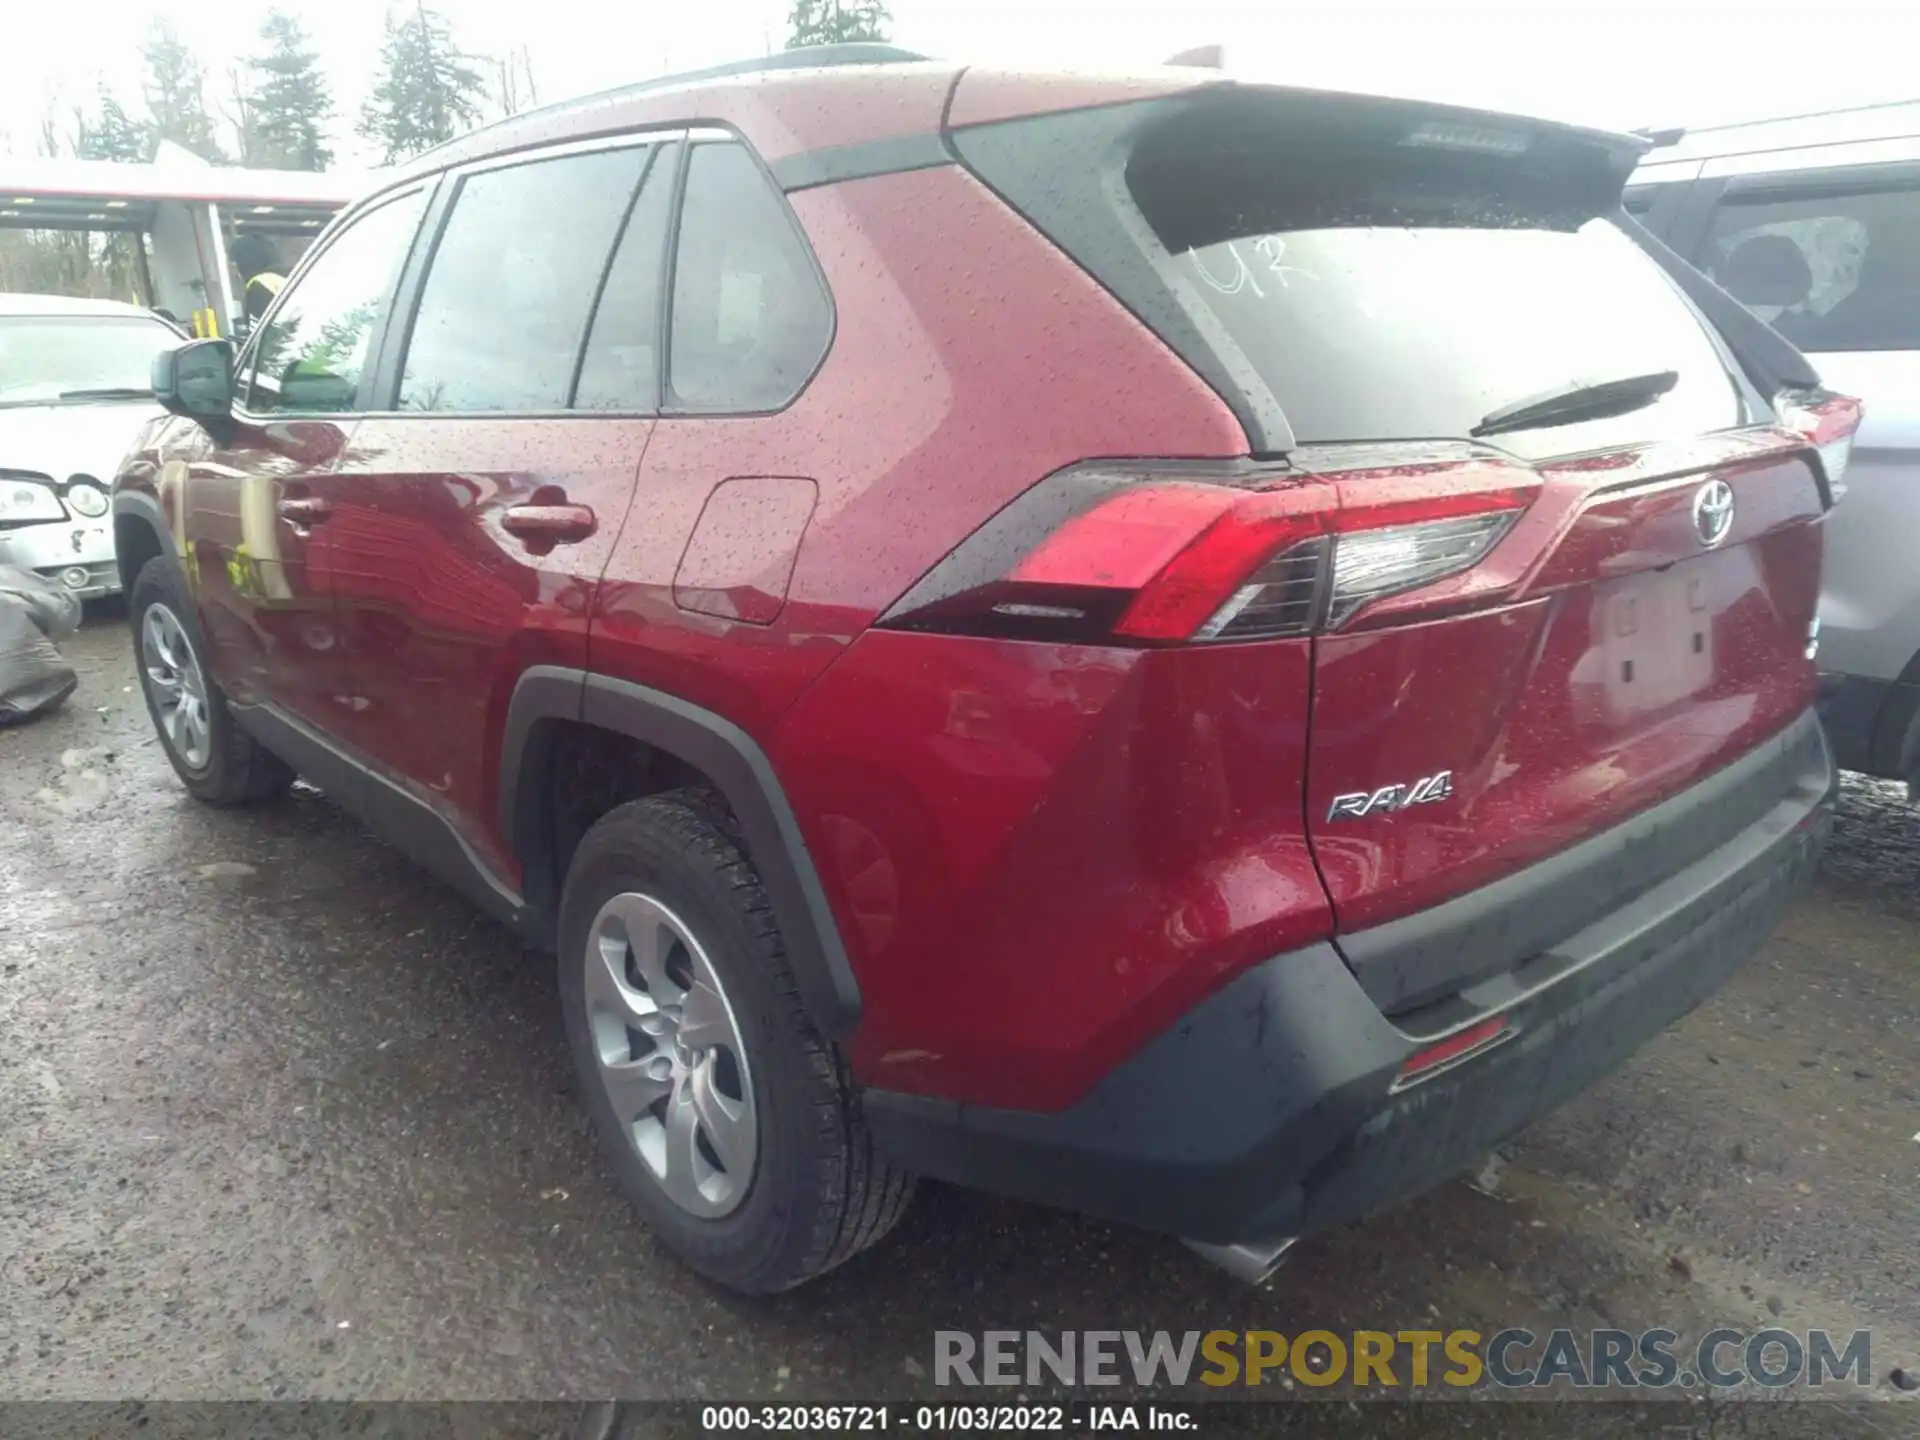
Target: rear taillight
[1830,422]
[1174,551]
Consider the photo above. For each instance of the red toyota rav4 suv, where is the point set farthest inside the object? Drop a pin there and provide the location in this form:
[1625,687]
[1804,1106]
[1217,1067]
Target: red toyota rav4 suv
[1194,651]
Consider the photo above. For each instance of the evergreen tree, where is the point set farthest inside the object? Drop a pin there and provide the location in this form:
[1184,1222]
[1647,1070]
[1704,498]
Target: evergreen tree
[834,22]
[427,92]
[176,98]
[111,133]
[289,103]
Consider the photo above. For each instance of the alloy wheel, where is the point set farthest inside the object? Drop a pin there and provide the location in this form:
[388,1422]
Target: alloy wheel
[671,1059]
[176,686]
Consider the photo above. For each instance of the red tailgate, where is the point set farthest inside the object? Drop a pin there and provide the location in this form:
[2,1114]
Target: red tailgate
[1612,658]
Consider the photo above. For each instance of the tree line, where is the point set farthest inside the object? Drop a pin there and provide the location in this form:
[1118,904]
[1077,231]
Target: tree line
[276,106]
[275,109]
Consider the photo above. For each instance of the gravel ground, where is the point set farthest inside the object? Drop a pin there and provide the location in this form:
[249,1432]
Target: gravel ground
[280,1116]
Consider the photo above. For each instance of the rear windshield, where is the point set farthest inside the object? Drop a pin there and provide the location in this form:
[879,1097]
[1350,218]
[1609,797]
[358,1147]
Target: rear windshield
[1392,290]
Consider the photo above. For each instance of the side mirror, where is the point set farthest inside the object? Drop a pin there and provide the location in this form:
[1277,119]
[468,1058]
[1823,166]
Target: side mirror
[196,380]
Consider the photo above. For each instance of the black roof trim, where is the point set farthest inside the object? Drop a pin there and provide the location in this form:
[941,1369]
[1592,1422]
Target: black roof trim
[860,161]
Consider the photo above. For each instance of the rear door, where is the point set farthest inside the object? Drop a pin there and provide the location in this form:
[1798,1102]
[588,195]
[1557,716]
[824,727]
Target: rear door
[1829,254]
[695,596]
[474,514]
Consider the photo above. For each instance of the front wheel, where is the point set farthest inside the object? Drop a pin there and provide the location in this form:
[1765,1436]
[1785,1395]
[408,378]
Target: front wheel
[732,1125]
[215,759]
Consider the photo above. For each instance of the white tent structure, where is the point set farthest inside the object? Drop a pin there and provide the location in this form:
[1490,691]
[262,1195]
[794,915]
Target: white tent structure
[186,209]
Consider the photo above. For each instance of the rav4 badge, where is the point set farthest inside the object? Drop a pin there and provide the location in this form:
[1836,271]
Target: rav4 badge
[1389,798]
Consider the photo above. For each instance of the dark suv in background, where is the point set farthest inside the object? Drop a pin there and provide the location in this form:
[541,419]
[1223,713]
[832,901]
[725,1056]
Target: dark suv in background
[1195,651]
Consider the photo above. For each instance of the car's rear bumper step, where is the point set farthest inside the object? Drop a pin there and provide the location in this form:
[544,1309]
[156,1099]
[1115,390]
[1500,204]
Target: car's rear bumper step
[1270,1109]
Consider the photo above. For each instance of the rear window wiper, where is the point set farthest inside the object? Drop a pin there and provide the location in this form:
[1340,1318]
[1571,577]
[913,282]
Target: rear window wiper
[1580,400]
[109,392]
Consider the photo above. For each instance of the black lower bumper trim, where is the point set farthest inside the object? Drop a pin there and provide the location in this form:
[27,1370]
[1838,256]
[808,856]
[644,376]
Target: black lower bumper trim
[1268,1110]
[1411,962]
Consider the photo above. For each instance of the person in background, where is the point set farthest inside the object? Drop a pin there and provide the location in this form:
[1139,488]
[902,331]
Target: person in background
[253,257]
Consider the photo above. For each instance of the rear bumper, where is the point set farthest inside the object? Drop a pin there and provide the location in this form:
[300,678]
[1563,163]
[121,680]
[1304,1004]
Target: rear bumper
[1269,1109]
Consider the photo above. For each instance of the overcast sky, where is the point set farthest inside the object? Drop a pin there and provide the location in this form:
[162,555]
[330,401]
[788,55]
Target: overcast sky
[1610,62]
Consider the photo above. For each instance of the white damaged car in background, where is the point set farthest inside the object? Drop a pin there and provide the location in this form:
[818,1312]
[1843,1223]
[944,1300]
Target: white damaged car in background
[75,393]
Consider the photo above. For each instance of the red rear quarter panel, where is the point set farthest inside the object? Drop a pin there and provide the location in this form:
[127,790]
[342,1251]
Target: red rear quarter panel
[960,375]
[1042,855]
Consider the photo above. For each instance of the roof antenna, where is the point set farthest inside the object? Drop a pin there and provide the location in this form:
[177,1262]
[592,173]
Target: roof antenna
[1204,57]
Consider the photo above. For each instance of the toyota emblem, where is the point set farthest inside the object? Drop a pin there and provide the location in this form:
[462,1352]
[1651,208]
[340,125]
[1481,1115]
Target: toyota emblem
[1713,512]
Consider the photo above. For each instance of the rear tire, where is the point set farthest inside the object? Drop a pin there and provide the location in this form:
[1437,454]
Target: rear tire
[215,759]
[661,887]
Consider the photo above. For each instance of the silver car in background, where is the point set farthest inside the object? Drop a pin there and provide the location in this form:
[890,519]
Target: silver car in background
[75,394]
[1814,223]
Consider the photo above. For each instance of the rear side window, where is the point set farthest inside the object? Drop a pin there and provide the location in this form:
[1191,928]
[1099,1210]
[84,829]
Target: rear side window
[1830,268]
[750,317]
[504,310]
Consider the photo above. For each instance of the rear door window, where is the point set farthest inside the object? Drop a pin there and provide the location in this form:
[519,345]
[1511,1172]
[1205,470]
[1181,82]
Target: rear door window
[503,312]
[1832,265]
[751,317]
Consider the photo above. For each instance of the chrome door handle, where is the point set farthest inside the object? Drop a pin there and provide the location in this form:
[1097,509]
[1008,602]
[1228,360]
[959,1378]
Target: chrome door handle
[305,509]
[556,524]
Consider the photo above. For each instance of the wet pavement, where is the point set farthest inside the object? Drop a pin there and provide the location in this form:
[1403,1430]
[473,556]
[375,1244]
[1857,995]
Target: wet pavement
[281,1116]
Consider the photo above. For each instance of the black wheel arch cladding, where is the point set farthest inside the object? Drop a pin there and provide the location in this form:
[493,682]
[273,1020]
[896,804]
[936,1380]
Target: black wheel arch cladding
[738,769]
